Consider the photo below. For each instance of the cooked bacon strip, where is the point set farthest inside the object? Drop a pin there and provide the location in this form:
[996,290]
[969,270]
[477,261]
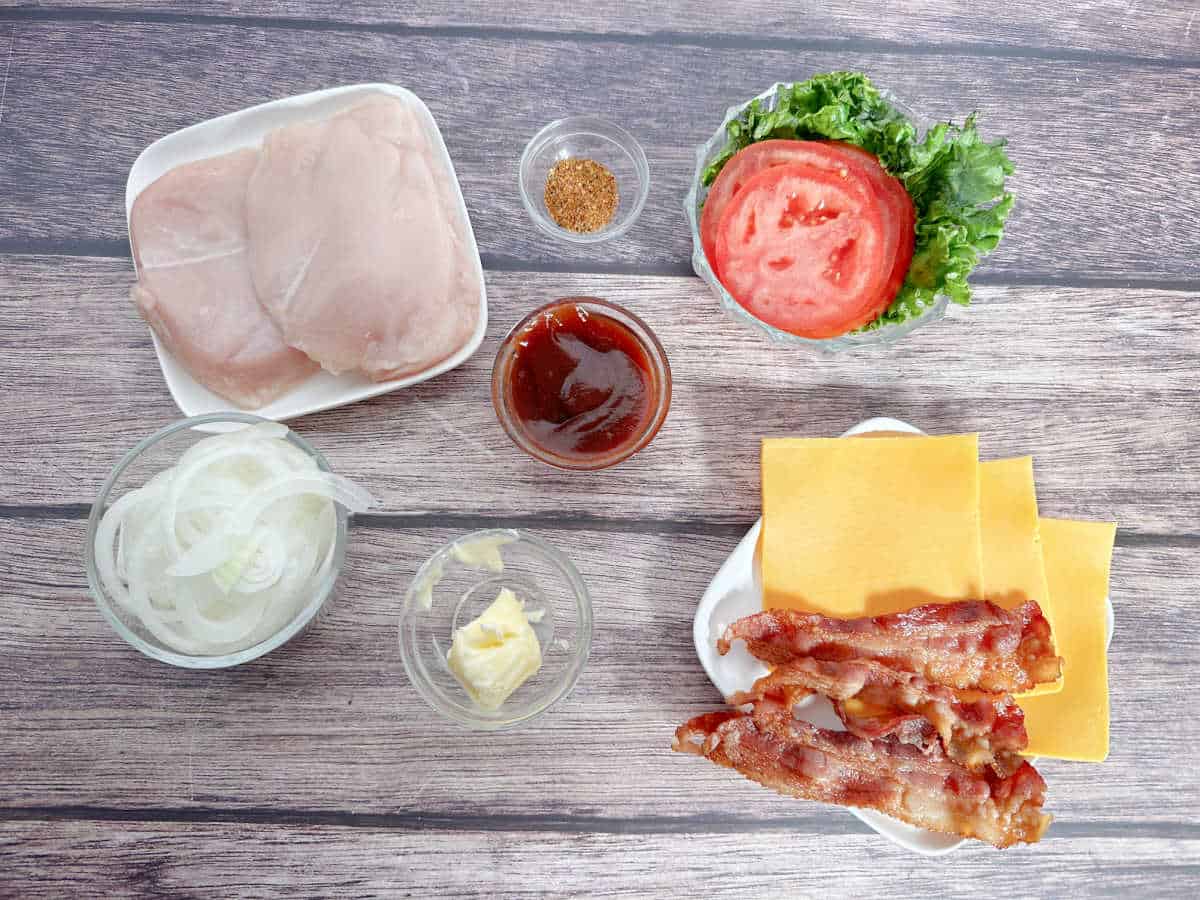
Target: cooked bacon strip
[967,645]
[927,790]
[975,728]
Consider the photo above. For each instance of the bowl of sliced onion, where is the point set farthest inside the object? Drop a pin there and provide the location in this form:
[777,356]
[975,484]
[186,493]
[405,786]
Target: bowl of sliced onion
[218,539]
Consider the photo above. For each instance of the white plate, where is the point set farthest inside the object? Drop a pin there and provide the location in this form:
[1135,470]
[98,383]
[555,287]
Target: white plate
[247,128]
[736,591]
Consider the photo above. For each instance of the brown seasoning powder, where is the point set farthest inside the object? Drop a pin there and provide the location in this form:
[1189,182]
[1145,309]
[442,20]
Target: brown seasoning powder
[581,194]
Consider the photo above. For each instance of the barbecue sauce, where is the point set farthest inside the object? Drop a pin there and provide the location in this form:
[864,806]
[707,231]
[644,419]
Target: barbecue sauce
[581,383]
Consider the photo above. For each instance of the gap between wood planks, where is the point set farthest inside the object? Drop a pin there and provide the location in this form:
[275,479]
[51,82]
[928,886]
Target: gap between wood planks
[105,249]
[547,522]
[660,38]
[814,823]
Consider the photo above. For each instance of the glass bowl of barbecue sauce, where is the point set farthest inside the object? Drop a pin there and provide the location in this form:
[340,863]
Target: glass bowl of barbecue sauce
[581,384]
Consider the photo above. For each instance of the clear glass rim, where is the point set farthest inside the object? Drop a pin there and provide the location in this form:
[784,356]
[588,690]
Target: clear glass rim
[881,336]
[418,674]
[506,354]
[585,125]
[185,660]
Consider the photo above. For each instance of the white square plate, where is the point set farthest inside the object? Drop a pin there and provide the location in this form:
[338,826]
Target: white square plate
[736,591]
[248,128]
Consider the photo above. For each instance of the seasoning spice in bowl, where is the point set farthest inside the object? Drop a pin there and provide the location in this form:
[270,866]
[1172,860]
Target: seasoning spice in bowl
[584,180]
[581,194]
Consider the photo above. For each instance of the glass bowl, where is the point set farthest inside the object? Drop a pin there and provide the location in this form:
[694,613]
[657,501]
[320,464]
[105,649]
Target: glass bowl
[694,203]
[660,373]
[156,453]
[593,138]
[457,583]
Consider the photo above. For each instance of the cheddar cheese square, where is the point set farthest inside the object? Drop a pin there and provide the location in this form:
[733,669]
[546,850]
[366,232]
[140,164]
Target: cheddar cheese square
[1073,724]
[1013,569]
[869,526]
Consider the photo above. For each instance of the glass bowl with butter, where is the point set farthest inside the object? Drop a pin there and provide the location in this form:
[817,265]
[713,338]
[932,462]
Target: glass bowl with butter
[495,628]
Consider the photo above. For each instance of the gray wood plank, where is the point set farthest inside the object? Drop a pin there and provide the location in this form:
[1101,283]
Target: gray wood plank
[329,724]
[1101,148]
[1095,383]
[1157,29]
[59,858]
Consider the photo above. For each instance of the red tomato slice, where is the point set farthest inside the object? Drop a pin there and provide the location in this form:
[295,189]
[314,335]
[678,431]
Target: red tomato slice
[904,214]
[749,161]
[802,249]
[833,156]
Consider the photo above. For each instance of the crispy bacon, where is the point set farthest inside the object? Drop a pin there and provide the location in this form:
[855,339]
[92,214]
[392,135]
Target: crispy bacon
[968,645]
[975,728]
[927,790]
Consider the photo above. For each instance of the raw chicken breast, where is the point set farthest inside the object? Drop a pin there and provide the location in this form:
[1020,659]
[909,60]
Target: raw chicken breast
[358,250]
[189,244]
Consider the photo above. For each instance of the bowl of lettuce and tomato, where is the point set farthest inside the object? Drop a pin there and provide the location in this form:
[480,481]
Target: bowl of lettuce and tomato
[833,222]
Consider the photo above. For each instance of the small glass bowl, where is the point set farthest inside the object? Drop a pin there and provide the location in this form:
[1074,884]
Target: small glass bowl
[154,454]
[586,137]
[451,589]
[660,372]
[694,203]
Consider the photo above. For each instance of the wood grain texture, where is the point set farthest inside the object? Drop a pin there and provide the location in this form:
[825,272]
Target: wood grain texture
[329,724]
[1095,383]
[1160,30]
[58,858]
[317,771]
[1101,148]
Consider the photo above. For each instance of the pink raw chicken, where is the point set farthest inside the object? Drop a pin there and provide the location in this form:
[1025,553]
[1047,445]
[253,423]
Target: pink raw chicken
[189,244]
[358,249]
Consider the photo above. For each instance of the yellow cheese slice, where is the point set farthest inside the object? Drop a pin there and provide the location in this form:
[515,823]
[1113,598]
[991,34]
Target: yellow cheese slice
[864,527]
[1073,724]
[1013,570]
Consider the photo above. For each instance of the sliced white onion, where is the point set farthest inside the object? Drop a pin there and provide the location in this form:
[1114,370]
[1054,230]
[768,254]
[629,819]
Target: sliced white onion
[106,534]
[230,537]
[201,464]
[228,545]
[190,600]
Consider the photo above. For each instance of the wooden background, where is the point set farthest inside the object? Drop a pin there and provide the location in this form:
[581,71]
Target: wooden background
[317,770]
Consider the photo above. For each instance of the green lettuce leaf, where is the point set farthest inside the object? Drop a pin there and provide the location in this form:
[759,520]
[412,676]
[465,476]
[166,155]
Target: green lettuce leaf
[955,178]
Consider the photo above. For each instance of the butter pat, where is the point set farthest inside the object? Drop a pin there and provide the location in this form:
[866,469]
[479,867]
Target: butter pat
[496,653]
[484,552]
